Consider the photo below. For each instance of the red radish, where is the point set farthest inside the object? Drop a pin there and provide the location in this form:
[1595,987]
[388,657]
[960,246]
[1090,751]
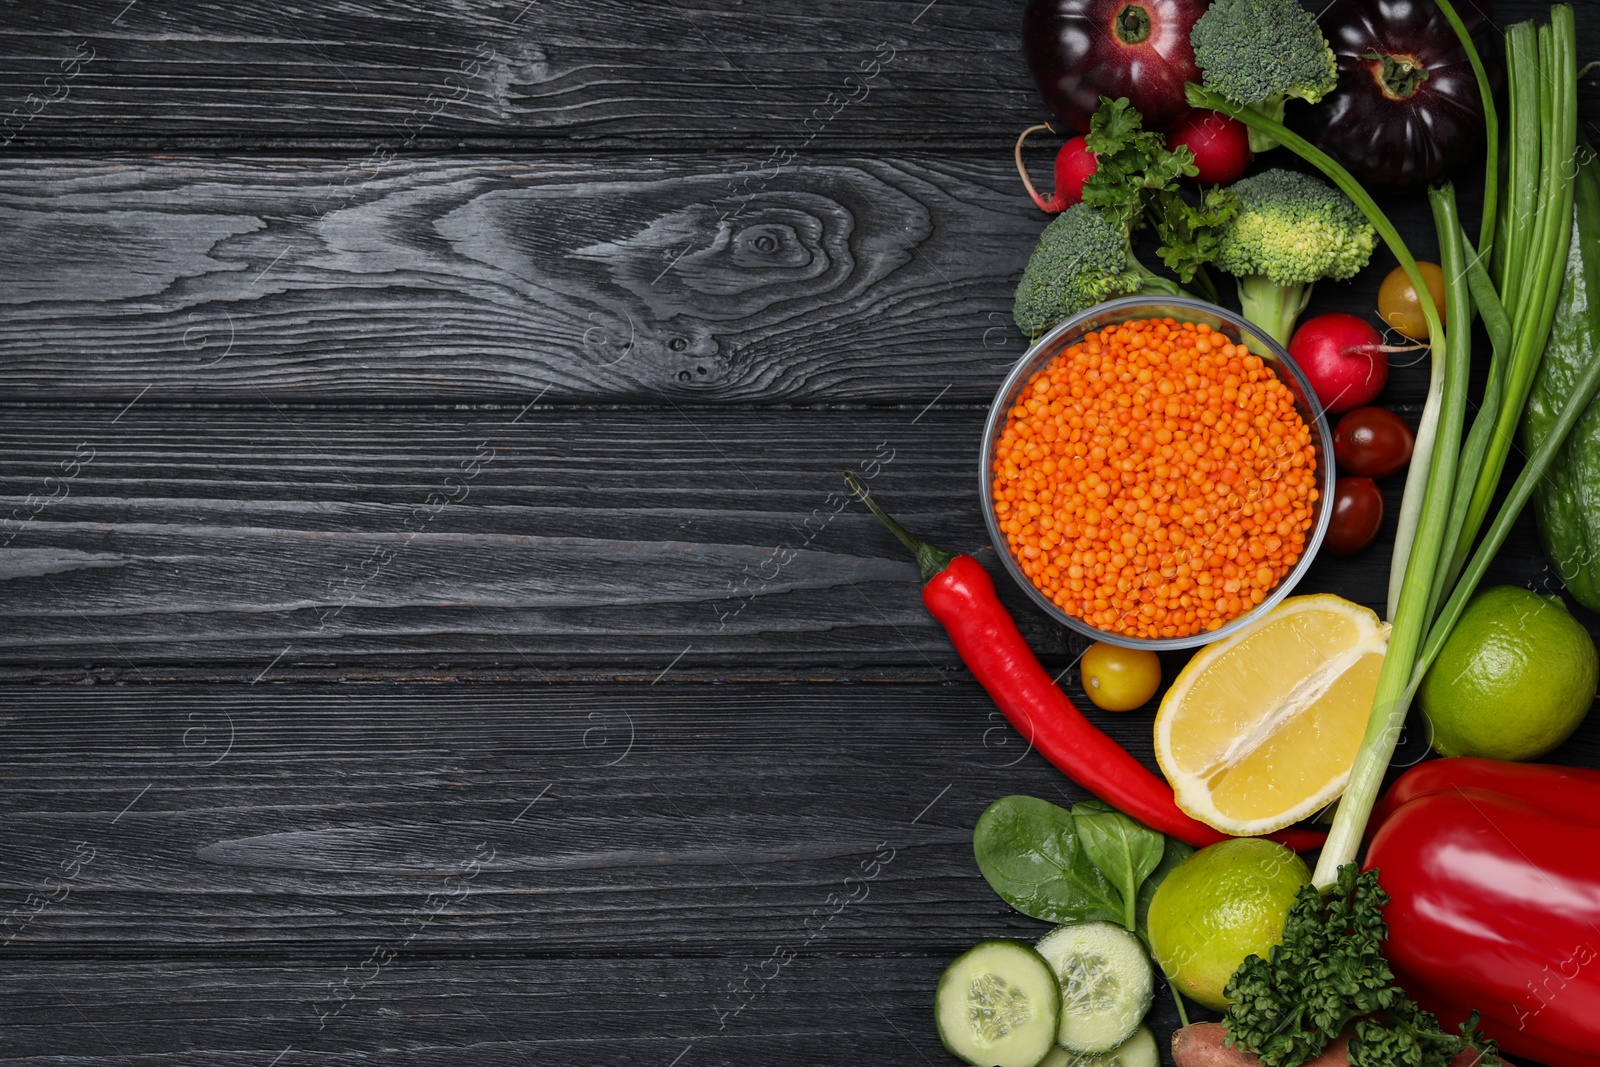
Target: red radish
[1074,164]
[1345,358]
[1221,145]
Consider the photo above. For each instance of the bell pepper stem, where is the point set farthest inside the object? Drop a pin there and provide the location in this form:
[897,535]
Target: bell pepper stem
[930,561]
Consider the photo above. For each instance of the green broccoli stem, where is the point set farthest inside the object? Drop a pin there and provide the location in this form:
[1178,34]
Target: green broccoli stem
[1275,308]
[1427,495]
[1272,110]
[1152,284]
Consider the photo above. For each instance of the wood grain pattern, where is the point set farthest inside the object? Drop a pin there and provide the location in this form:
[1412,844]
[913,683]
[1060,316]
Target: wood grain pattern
[583,279]
[620,540]
[511,342]
[632,819]
[239,859]
[425,75]
[622,1011]
[632,280]
[409,75]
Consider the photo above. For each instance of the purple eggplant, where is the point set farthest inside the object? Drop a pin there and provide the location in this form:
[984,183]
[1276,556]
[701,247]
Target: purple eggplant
[1406,112]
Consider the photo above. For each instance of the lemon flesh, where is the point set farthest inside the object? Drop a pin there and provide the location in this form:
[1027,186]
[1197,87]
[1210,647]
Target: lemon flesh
[1262,728]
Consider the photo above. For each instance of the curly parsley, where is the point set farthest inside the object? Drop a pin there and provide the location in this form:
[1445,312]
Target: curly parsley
[1136,181]
[1328,974]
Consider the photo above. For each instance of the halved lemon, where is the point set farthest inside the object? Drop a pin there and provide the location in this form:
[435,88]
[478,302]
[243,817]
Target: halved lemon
[1262,727]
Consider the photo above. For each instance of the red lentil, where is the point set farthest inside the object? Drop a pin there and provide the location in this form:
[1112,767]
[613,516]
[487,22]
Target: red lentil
[1155,479]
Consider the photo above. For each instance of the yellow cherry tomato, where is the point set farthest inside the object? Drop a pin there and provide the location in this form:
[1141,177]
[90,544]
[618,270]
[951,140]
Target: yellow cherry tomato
[1398,304]
[1120,679]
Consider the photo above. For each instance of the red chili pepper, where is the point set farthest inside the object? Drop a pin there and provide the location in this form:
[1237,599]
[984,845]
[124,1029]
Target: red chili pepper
[1494,871]
[961,595]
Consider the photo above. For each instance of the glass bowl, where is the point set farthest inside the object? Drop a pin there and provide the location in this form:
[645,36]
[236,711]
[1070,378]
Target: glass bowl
[1182,309]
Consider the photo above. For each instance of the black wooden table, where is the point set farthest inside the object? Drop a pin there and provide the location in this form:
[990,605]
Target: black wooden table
[434,630]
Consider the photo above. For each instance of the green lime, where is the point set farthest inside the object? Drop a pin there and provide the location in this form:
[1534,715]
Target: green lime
[1513,680]
[1225,902]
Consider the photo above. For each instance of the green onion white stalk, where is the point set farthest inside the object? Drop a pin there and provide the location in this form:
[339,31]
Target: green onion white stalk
[1526,232]
[1428,493]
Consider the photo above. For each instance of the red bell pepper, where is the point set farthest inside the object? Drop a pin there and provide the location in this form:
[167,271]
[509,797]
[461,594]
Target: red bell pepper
[1494,871]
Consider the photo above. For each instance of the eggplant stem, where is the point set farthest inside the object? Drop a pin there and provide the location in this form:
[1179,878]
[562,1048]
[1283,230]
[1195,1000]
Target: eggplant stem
[1027,182]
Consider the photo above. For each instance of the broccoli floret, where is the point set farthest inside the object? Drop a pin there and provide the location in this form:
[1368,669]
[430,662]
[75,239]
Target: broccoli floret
[1082,259]
[1259,53]
[1291,230]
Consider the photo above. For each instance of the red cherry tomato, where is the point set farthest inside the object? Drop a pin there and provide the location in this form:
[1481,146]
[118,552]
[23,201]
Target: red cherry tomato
[1372,443]
[1357,514]
[1221,145]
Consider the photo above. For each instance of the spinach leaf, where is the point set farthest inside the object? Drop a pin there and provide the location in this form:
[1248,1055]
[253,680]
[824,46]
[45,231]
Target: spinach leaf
[1125,851]
[1029,853]
[1176,852]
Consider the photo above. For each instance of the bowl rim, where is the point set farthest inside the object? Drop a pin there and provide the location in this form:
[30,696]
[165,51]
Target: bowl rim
[1030,361]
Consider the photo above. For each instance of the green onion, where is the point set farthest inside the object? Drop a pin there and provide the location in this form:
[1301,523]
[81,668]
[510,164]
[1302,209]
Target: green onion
[1525,234]
[1491,124]
[1535,257]
[1414,611]
[1586,221]
[1487,302]
[1427,430]
[1420,542]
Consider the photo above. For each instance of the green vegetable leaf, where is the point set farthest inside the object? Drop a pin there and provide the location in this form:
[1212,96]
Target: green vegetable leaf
[1329,973]
[1029,853]
[1191,235]
[1131,163]
[1124,851]
[1173,854]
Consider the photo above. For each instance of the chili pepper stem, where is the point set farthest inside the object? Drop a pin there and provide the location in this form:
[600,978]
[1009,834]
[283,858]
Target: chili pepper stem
[930,560]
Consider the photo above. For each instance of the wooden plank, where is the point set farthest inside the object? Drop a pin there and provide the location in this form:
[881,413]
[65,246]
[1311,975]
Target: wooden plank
[540,538]
[618,279]
[677,819]
[589,279]
[407,75]
[241,860]
[424,1012]
[311,543]
[399,71]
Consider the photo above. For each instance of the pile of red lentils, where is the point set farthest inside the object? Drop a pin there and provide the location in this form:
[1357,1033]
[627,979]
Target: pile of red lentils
[1155,479]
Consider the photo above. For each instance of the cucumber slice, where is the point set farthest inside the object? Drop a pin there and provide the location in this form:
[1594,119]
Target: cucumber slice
[999,1004]
[1106,984]
[1138,1051]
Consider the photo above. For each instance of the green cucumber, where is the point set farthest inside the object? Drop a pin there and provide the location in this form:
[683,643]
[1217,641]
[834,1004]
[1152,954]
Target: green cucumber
[1138,1051]
[998,1004]
[1106,984]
